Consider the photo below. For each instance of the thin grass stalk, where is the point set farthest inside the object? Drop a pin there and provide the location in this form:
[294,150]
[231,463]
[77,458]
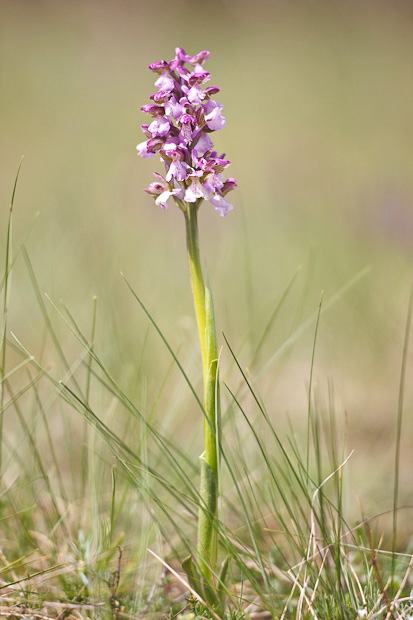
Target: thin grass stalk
[5,310]
[3,340]
[85,459]
[310,387]
[399,428]
[271,320]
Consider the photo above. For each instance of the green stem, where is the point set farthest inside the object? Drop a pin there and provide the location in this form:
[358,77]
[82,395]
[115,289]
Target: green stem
[204,310]
[197,280]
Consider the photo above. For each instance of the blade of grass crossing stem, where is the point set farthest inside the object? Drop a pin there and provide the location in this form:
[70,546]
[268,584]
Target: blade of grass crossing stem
[399,428]
[5,308]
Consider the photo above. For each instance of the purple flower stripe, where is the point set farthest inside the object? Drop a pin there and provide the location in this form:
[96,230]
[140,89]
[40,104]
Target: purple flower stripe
[183,116]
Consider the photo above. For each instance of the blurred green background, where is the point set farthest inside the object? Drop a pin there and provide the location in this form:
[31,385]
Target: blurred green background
[318,99]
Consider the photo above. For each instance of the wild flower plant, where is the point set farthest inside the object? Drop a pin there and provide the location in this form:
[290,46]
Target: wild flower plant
[184,115]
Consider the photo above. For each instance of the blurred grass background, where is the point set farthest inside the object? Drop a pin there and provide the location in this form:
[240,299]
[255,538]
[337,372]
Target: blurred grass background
[318,98]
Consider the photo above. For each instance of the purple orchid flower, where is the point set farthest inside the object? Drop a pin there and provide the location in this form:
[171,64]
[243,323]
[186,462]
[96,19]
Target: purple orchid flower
[183,117]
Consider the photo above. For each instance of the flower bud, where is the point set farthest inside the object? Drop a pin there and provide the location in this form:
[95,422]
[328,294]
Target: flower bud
[159,67]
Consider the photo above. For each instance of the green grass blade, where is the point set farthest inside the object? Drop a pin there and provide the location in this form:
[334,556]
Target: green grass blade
[399,425]
[5,309]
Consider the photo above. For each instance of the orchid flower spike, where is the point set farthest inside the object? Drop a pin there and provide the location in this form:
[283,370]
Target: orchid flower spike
[184,115]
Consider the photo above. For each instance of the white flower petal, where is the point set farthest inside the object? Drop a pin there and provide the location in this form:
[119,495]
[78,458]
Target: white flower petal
[143,151]
[221,204]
